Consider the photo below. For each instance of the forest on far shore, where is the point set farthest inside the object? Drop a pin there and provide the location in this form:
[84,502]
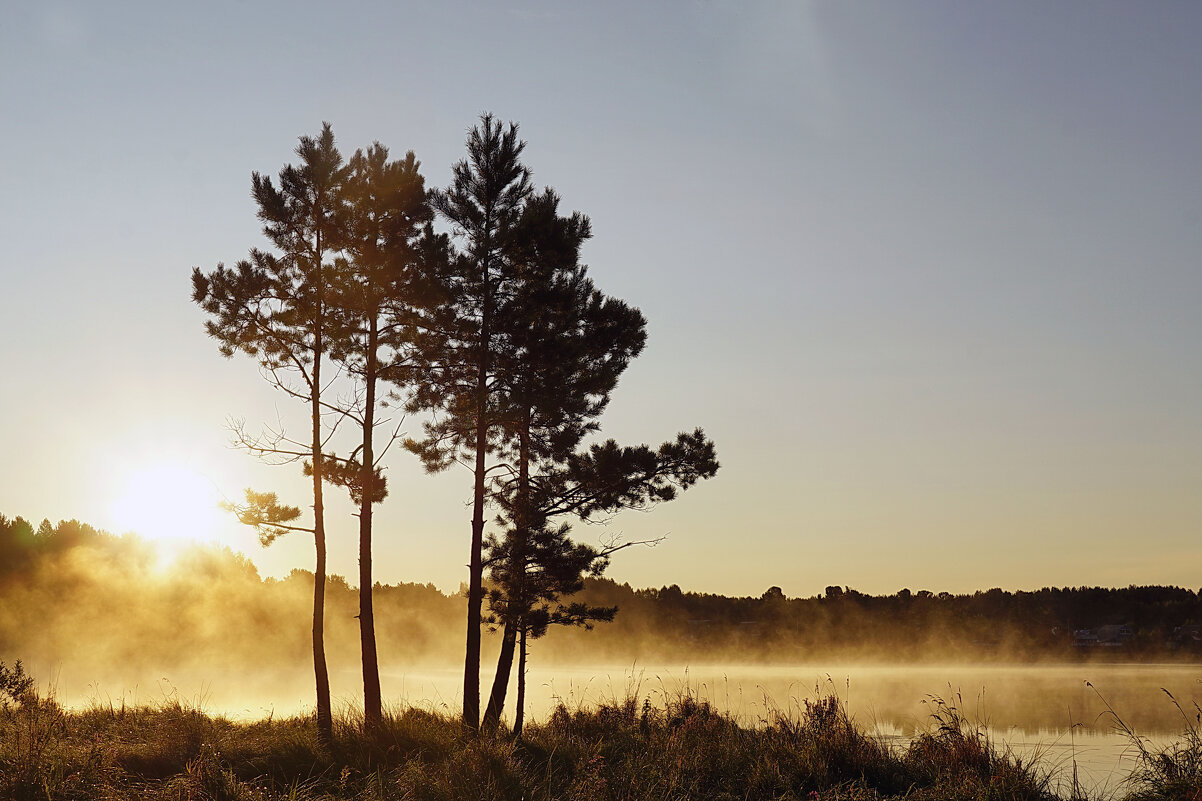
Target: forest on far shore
[69,591]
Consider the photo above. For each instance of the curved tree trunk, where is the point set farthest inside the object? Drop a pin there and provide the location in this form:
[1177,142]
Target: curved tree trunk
[500,683]
[519,715]
[325,716]
[517,571]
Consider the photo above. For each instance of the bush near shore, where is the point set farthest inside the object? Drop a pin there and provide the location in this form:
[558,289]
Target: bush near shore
[624,750]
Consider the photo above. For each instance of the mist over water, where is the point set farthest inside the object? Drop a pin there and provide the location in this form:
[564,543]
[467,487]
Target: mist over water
[103,620]
[1024,701]
[1047,712]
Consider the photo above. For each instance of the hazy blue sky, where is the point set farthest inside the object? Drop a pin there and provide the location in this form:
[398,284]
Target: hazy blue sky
[930,274]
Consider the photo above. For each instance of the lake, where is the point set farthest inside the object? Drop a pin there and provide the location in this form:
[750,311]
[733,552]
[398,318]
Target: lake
[1048,711]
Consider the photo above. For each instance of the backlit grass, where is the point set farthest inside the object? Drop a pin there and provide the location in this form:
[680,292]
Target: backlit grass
[627,749]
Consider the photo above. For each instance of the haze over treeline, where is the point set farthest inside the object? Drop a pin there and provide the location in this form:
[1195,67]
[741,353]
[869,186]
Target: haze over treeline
[75,595]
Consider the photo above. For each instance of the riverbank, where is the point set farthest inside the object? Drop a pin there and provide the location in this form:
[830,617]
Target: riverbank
[633,749]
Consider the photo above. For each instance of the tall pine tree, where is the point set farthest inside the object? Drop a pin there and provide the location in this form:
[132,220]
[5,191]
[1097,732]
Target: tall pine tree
[520,364]
[378,292]
[483,204]
[274,307]
[564,347]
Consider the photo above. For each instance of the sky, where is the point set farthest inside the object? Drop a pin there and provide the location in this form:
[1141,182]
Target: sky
[928,273]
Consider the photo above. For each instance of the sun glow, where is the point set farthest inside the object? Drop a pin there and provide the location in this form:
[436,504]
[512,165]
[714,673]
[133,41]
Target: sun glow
[169,501]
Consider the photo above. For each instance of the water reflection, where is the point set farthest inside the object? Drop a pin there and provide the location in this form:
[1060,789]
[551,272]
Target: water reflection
[1048,712]
[1026,700]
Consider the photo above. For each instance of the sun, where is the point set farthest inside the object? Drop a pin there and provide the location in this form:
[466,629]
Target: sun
[169,501]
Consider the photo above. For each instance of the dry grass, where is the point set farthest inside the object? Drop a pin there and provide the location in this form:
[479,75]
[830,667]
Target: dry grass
[1171,773]
[626,749]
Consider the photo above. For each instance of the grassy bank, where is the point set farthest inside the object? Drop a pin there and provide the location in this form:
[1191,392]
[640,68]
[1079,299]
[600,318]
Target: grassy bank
[627,750]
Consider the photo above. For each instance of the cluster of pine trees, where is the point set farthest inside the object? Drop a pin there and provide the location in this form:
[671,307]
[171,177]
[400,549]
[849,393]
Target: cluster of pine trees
[468,305]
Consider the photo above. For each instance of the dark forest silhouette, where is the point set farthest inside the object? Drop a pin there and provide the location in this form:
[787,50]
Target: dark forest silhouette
[493,332]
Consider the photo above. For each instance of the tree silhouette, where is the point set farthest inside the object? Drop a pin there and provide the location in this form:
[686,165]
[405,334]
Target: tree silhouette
[263,512]
[562,346]
[379,291]
[520,364]
[592,483]
[274,307]
[483,203]
[528,594]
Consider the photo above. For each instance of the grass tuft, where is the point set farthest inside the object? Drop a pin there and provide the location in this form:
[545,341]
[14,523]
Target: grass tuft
[1171,773]
[964,762]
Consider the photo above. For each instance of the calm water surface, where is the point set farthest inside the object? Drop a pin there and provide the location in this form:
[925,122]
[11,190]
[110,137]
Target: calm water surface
[1064,714]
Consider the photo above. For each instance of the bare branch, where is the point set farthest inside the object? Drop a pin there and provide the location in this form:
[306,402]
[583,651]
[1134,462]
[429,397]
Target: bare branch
[392,440]
[267,447]
[613,546]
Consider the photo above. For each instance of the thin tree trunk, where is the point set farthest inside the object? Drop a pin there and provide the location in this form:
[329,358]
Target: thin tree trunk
[372,703]
[519,715]
[325,715]
[500,683]
[475,592]
[475,596]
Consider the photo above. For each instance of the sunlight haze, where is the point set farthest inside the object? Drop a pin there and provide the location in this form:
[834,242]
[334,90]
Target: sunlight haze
[164,501]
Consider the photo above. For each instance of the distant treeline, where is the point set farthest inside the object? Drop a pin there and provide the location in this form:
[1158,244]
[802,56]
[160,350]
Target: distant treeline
[68,591]
[842,624]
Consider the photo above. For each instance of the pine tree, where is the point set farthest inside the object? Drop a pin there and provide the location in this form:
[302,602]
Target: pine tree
[483,203]
[520,364]
[531,575]
[380,289]
[274,307]
[565,346]
[537,570]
